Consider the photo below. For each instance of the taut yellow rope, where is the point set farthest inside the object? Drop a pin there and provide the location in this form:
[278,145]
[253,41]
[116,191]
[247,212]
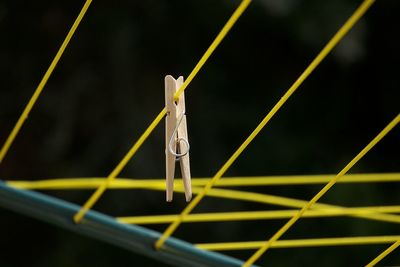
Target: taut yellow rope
[130,183]
[39,89]
[384,253]
[297,243]
[257,215]
[102,188]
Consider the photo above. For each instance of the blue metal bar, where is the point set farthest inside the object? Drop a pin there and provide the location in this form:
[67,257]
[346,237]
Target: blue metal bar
[97,225]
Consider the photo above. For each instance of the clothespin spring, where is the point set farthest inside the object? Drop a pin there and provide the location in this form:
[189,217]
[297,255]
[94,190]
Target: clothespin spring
[178,141]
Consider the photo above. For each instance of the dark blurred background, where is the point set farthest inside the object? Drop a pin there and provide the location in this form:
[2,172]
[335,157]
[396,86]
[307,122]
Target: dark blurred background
[109,85]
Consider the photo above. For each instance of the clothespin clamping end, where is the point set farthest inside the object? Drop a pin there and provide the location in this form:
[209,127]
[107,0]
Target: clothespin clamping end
[176,138]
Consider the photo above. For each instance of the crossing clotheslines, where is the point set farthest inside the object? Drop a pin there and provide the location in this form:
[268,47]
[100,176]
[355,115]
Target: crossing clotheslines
[101,189]
[370,213]
[221,35]
[322,192]
[377,213]
[319,210]
[313,65]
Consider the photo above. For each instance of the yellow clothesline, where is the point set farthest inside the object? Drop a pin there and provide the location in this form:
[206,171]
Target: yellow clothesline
[10,139]
[257,215]
[384,253]
[128,183]
[297,243]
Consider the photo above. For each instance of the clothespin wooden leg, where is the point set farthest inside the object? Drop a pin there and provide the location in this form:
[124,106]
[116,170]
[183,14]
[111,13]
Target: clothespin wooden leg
[170,89]
[182,133]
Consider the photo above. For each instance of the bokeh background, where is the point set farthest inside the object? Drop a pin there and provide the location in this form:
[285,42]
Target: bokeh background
[108,87]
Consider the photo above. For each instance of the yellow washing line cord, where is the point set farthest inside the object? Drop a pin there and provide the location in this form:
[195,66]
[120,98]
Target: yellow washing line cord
[100,190]
[320,57]
[227,27]
[325,189]
[130,183]
[297,243]
[256,215]
[285,201]
[384,253]
[39,89]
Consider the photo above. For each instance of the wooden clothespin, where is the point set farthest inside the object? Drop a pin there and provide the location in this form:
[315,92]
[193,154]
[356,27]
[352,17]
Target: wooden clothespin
[176,138]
